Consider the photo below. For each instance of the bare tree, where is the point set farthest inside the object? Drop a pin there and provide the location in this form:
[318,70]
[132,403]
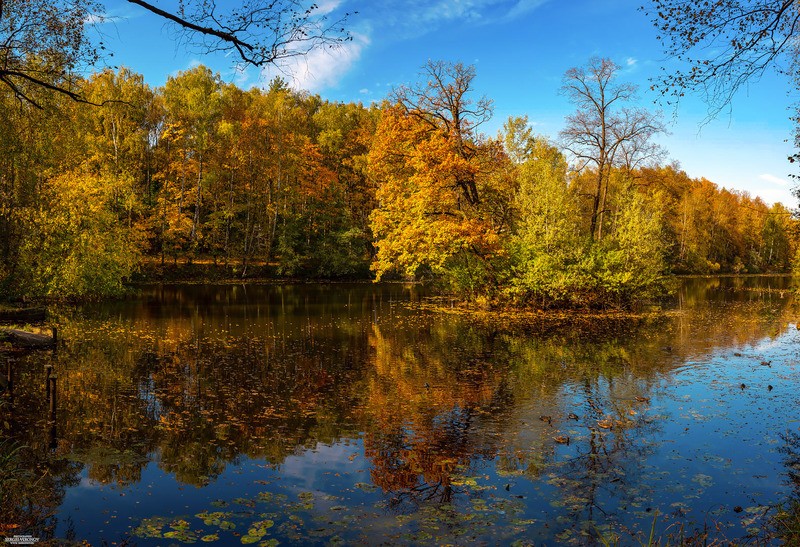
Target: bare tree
[43,43]
[443,103]
[602,133]
[259,32]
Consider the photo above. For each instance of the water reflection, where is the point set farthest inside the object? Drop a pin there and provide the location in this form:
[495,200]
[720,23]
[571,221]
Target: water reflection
[547,430]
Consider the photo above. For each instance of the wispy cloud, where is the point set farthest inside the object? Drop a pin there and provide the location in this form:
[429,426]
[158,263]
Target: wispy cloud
[773,179]
[115,15]
[524,6]
[324,7]
[392,20]
[408,18]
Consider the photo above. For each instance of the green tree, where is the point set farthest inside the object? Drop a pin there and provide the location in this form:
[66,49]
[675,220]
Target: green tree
[517,138]
[628,266]
[547,244]
[193,107]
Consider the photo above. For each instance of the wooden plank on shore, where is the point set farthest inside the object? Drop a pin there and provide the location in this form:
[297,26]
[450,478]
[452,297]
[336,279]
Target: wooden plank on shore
[26,340]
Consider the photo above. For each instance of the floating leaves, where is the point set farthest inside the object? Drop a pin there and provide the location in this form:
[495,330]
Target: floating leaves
[703,480]
[150,527]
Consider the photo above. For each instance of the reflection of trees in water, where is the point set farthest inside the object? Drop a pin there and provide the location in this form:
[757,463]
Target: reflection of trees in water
[427,393]
[447,393]
[33,484]
[244,396]
[418,466]
[434,394]
[791,452]
[786,523]
[215,399]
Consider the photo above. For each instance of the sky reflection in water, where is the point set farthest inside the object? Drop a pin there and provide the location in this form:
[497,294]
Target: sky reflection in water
[321,412]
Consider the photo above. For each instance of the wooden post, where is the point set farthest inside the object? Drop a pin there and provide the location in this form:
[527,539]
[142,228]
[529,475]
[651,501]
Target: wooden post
[51,392]
[48,370]
[55,335]
[9,387]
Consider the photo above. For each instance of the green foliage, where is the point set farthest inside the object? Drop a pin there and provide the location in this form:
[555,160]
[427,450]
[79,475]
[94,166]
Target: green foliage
[77,247]
[629,264]
[546,247]
[555,264]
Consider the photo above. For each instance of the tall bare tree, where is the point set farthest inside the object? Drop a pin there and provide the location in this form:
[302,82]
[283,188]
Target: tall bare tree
[442,101]
[603,133]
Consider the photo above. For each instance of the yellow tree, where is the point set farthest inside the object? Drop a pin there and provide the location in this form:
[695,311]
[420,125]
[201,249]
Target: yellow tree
[440,186]
[193,106]
[80,248]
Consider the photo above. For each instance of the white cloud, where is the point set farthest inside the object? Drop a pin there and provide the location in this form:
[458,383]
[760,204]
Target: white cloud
[320,68]
[524,6]
[774,195]
[324,7]
[241,75]
[193,63]
[631,62]
[364,91]
[97,19]
[773,179]
[409,18]
[323,68]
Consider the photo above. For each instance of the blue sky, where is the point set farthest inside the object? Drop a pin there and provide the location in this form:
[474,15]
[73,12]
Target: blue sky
[521,49]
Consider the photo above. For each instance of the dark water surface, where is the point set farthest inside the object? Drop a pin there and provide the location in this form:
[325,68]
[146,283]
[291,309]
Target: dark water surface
[317,414]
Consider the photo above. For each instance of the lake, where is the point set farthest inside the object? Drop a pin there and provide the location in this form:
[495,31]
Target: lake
[357,413]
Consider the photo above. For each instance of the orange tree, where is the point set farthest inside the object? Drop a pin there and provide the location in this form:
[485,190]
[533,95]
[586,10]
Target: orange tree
[443,194]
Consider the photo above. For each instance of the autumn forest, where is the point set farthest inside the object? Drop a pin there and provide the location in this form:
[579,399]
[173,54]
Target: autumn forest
[133,180]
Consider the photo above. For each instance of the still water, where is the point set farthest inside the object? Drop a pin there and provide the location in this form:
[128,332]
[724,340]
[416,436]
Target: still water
[318,414]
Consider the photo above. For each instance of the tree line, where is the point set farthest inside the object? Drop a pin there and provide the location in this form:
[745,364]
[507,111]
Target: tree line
[200,169]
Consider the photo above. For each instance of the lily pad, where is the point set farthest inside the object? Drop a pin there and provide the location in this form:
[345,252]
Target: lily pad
[150,528]
[183,536]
